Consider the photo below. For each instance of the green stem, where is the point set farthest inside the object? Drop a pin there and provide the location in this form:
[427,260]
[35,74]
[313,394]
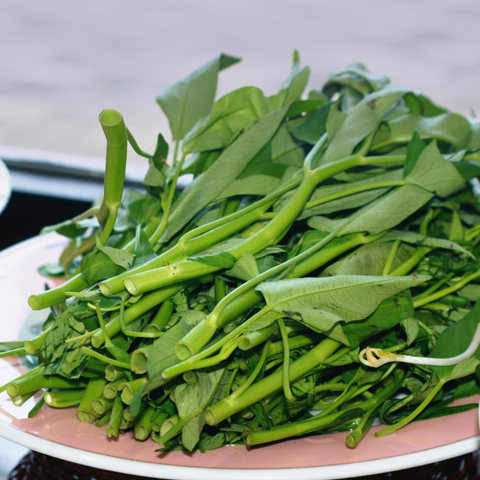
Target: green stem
[296,342]
[287,391]
[446,291]
[85,412]
[252,339]
[414,414]
[102,405]
[161,318]
[351,191]
[112,389]
[58,294]
[354,438]
[143,427]
[29,373]
[146,303]
[168,203]
[435,287]
[131,388]
[37,381]
[63,398]
[271,384]
[253,376]
[105,359]
[37,406]
[113,429]
[391,258]
[116,159]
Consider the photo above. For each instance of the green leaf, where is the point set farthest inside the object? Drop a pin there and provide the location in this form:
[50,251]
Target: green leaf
[162,354]
[221,260]
[412,329]
[362,120]
[160,155]
[320,303]
[191,398]
[454,341]
[368,259]
[118,257]
[192,317]
[56,353]
[388,314]
[230,114]
[419,104]
[312,129]
[417,396]
[382,214]
[143,250]
[51,270]
[419,239]
[414,150]
[97,266]
[304,106]
[187,101]
[296,82]
[432,172]
[471,291]
[224,171]
[468,170]
[69,229]
[356,76]
[245,269]
[451,128]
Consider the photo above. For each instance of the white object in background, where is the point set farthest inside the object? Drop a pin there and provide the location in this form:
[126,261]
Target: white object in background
[5,186]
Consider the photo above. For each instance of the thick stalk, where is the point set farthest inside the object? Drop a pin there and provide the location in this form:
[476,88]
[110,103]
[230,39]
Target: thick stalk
[63,398]
[85,412]
[58,294]
[116,160]
[37,381]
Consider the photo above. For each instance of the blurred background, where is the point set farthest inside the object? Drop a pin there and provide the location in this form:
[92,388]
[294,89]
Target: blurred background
[61,63]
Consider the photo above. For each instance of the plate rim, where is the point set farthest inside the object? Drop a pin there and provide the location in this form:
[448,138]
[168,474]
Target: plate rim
[182,472]
[5,181]
[175,472]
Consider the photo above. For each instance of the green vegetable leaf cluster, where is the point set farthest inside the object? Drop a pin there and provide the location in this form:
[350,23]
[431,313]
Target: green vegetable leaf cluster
[316,224]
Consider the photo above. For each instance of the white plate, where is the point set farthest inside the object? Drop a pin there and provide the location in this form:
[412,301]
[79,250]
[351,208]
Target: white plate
[5,186]
[59,434]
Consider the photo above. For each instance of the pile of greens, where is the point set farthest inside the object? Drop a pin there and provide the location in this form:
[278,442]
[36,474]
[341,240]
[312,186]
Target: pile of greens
[234,311]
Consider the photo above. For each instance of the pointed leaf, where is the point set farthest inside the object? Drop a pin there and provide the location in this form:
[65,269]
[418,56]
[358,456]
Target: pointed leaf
[226,168]
[230,114]
[190,99]
[415,148]
[118,257]
[362,120]
[435,174]
[320,303]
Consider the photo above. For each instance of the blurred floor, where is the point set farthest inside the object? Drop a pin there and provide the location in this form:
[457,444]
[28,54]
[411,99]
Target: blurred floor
[10,455]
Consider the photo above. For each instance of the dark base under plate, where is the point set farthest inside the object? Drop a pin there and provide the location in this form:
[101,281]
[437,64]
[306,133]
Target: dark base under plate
[36,466]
